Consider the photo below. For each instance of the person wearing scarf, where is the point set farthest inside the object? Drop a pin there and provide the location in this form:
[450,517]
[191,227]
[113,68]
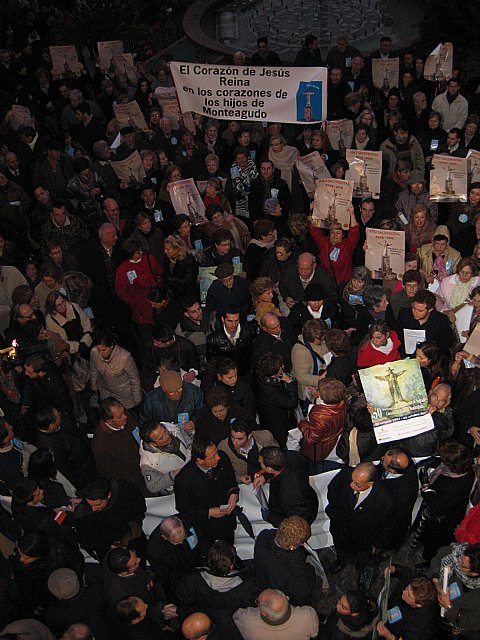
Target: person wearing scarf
[420,229]
[283,157]
[438,259]
[164,449]
[459,564]
[455,290]
[379,347]
[257,247]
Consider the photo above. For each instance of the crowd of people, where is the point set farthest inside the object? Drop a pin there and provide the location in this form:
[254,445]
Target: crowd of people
[120,383]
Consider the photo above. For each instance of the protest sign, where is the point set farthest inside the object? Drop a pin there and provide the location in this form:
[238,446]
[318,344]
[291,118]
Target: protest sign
[311,168]
[448,179]
[439,64]
[106,52]
[65,62]
[207,276]
[188,121]
[473,343]
[167,99]
[463,317]
[130,170]
[473,164]
[186,199]
[124,70]
[385,256]
[275,94]
[397,393]
[385,73]
[21,117]
[332,199]
[340,134]
[130,115]
[365,169]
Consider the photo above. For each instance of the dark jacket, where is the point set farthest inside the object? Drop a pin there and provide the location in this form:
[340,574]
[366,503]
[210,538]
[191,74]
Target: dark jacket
[276,403]
[300,313]
[219,345]
[404,490]
[241,400]
[292,286]
[52,388]
[196,492]
[156,407]
[181,279]
[194,591]
[260,190]
[181,349]
[265,343]
[437,328]
[370,524]
[291,493]
[96,531]
[87,606]
[284,569]
[219,297]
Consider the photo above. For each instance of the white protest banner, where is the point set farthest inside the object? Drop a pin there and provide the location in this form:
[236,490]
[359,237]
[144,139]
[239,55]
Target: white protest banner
[439,64]
[448,179]
[21,117]
[65,62]
[124,70]
[397,393]
[473,159]
[385,256]
[186,199]
[332,199]
[130,115]
[311,168]
[340,134]
[276,94]
[365,169]
[106,52]
[167,99]
[385,73]
[130,170]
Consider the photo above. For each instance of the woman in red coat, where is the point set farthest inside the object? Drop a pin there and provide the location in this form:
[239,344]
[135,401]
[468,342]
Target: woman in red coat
[379,347]
[324,425]
[336,249]
[134,279]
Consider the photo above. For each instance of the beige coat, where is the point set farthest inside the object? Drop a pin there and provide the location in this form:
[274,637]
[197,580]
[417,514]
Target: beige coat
[117,377]
[302,365]
[263,438]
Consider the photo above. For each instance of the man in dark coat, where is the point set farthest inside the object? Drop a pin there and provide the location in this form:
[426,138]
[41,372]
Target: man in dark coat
[48,384]
[275,336]
[362,515]
[206,489]
[110,514]
[174,549]
[268,185]
[399,475]
[290,490]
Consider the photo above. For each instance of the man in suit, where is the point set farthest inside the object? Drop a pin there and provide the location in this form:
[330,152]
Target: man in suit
[275,336]
[290,490]
[362,515]
[399,475]
[206,489]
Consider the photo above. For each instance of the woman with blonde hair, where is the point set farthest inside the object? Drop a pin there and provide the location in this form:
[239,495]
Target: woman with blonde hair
[261,291]
[180,268]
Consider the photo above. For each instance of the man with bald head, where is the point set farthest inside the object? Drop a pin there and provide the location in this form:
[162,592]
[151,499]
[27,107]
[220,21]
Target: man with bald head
[111,213]
[362,515]
[276,619]
[399,475]
[297,277]
[275,336]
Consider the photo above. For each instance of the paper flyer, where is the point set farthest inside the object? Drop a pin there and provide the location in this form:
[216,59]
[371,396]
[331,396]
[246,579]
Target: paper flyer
[332,198]
[310,169]
[106,52]
[365,169]
[124,69]
[473,343]
[186,199]
[448,179]
[385,256]
[65,63]
[385,73]
[397,393]
[340,134]
[168,100]
[130,170]
[130,115]
[439,64]
[473,164]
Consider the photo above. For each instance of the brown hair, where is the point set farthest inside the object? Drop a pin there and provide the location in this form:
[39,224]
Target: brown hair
[337,342]
[332,391]
[423,591]
[292,532]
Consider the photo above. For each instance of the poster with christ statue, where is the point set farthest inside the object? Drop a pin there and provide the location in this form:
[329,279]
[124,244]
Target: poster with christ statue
[397,400]
[331,203]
